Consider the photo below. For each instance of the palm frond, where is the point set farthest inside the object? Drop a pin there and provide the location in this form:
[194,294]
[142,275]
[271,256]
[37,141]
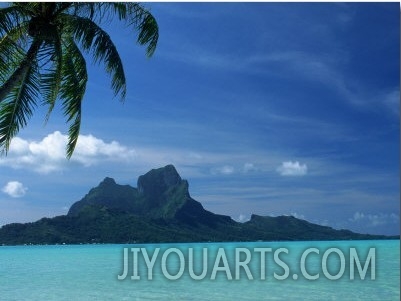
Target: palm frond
[132,14]
[11,17]
[100,12]
[18,106]
[51,79]
[63,6]
[72,91]
[11,52]
[18,74]
[121,9]
[84,9]
[8,58]
[138,17]
[148,34]
[96,41]
[144,22]
[28,8]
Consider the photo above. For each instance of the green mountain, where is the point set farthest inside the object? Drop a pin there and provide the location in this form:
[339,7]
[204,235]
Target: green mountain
[161,196]
[160,209]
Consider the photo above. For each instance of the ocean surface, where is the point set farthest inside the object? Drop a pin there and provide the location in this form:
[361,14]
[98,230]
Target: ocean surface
[203,271]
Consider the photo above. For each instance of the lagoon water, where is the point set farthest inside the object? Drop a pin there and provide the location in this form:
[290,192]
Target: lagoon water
[90,272]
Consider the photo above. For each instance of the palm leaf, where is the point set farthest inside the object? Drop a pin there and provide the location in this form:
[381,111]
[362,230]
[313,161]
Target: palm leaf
[28,8]
[11,17]
[82,9]
[100,12]
[148,34]
[17,75]
[11,51]
[72,91]
[18,106]
[51,79]
[96,41]
[138,17]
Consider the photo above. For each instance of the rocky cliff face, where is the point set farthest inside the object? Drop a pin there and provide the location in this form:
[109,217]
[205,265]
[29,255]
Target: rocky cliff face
[157,181]
[163,191]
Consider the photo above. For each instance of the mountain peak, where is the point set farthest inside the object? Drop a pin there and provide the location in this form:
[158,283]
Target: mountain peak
[161,193]
[107,194]
[158,180]
[107,181]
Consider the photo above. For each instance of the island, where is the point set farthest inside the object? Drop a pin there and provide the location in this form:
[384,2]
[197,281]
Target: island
[160,210]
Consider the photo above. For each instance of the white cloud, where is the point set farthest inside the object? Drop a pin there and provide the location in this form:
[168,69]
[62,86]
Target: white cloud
[48,154]
[243,218]
[89,149]
[224,170]
[374,220]
[15,189]
[290,168]
[298,216]
[248,167]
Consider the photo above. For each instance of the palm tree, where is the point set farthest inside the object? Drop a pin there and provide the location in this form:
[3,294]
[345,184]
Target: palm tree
[42,59]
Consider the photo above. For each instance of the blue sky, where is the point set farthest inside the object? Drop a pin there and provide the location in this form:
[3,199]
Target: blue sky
[265,108]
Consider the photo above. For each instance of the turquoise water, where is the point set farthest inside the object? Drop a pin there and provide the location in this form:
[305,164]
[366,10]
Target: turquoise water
[90,272]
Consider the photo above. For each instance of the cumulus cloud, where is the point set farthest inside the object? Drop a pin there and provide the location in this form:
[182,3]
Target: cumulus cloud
[289,168]
[15,189]
[48,154]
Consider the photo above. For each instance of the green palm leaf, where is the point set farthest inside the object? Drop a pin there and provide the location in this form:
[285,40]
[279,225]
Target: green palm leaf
[11,17]
[93,39]
[140,19]
[51,79]
[17,108]
[72,91]
[11,50]
[133,14]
